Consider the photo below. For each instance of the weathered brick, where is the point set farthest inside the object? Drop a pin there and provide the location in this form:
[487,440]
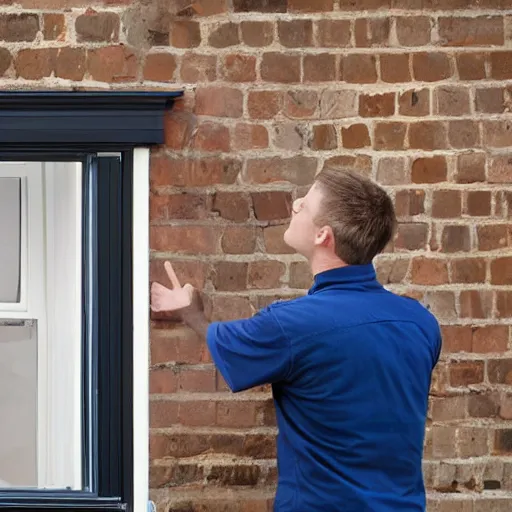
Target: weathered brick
[413,30]
[160,67]
[377,105]
[501,65]
[219,101]
[394,68]
[280,67]
[229,276]
[295,33]
[475,304]
[337,104]
[504,304]
[70,63]
[112,64]
[250,136]
[452,101]
[289,136]
[389,136]
[456,338]
[503,442]
[499,371]
[500,270]
[446,204]
[484,405]
[490,100]
[497,134]
[257,33]
[468,270]
[231,206]
[197,67]
[429,170]
[431,67]
[355,136]
[333,33]
[301,104]
[359,69]
[429,271]
[409,203]
[471,66]
[5,60]
[474,31]
[372,32]
[271,205]
[414,103]
[463,134]
[265,274]
[300,275]
[478,203]
[470,168]
[35,64]
[184,239]
[223,35]
[178,206]
[411,236]
[308,6]
[238,240]
[97,27]
[299,170]
[323,137]
[500,169]
[18,27]
[455,239]
[273,239]
[473,442]
[185,34]
[264,104]
[441,304]
[260,5]
[54,26]
[463,373]
[494,236]
[319,67]
[492,338]
[428,135]
[230,307]
[239,68]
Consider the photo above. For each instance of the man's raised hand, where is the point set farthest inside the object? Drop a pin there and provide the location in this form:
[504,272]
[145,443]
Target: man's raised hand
[177,298]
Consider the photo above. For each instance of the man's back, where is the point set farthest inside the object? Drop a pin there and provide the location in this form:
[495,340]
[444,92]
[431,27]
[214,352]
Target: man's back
[350,384]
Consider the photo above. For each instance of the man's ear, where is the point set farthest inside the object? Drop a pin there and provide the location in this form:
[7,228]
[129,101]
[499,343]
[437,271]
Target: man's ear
[325,237]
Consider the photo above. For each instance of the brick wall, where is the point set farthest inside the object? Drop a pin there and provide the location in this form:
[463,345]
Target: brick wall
[416,94]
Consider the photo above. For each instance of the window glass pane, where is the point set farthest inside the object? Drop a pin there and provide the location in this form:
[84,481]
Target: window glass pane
[10,239]
[18,404]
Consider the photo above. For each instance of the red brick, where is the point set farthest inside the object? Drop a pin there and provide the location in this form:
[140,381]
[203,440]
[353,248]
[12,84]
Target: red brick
[18,27]
[54,27]
[363,5]
[470,168]
[446,204]
[207,7]
[372,32]
[271,205]
[411,236]
[441,304]
[257,33]
[184,239]
[273,239]
[224,35]
[468,270]
[333,33]
[193,172]
[289,136]
[212,137]
[260,5]
[338,104]
[409,203]
[112,64]
[377,105]
[492,338]
[359,69]
[250,136]
[500,371]
[393,171]
[483,405]
[239,68]
[463,134]
[429,170]
[198,68]
[389,136]
[500,271]
[308,6]
[299,170]
[456,338]
[473,442]
[475,304]
[504,304]
[178,206]
[323,137]
[394,68]
[301,104]
[227,308]
[498,133]
[266,274]
[219,102]
[500,169]
[474,31]
[452,101]
[490,100]
[238,240]
[97,27]
[355,136]
[70,64]
[185,34]
[443,441]
[502,445]
[359,163]
[494,236]
[230,276]
[280,67]
[478,203]
[196,413]
[431,67]
[471,66]
[300,275]
[463,373]
[161,476]
[455,239]
[501,65]
[35,64]
[295,33]
[5,60]
[429,271]
[160,67]
[414,103]
[428,135]
[231,206]
[319,67]
[234,475]
[413,30]
[264,104]
[163,413]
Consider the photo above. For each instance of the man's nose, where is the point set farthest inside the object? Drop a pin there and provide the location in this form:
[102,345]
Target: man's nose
[296,205]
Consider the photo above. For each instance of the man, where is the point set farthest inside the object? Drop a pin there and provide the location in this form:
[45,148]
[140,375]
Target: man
[350,363]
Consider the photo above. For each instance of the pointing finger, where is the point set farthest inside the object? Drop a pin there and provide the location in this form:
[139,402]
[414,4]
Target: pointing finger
[172,275]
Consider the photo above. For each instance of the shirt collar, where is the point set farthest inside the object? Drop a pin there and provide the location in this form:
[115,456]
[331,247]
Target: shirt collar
[351,276]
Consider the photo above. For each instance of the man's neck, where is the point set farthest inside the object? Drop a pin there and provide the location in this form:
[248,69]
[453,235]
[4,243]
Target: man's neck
[323,263]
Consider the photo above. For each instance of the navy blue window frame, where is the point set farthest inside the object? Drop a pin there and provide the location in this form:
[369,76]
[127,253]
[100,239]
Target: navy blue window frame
[80,126]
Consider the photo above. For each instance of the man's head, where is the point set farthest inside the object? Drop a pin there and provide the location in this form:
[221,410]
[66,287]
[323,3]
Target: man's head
[343,216]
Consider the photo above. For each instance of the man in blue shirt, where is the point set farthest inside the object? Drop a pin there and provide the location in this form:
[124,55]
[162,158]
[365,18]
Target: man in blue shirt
[350,363]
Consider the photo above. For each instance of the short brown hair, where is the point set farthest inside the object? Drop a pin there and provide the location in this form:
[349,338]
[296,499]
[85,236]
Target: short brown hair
[360,213]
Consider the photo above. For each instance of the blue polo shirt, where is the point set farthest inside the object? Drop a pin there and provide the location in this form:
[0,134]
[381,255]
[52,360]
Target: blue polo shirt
[350,366]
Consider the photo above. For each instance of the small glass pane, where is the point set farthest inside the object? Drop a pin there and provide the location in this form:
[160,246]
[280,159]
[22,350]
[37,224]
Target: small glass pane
[10,239]
[18,403]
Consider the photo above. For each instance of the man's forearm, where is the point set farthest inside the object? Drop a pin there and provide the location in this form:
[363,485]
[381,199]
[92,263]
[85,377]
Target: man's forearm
[197,321]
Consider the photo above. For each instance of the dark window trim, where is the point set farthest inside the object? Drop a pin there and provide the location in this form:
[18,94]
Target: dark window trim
[75,126]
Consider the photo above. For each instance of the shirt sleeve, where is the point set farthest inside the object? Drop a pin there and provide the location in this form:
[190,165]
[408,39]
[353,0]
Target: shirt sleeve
[250,352]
